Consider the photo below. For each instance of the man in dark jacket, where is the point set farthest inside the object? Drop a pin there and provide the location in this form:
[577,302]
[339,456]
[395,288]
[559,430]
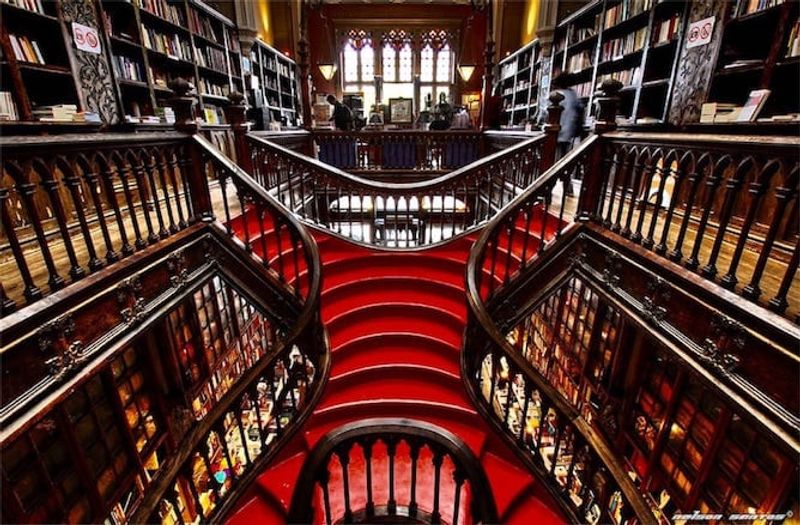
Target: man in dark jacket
[342,116]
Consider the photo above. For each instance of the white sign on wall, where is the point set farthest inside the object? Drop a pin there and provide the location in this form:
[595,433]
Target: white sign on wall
[699,33]
[86,38]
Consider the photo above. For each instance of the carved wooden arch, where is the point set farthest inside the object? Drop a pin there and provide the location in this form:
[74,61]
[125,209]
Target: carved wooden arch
[482,509]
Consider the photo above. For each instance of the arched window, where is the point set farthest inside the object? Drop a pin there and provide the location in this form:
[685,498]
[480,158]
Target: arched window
[358,58]
[398,64]
[398,57]
[436,65]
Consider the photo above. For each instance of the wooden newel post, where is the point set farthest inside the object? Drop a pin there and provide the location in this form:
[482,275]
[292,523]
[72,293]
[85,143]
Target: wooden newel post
[607,100]
[235,114]
[551,129]
[183,103]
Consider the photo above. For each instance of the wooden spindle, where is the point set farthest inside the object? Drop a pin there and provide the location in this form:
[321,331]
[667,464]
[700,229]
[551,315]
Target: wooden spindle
[31,292]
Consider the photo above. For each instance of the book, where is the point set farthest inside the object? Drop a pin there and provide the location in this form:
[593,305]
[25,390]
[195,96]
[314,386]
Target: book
[753,106]
[39,56]
[8,109]
[709,110]
[793,43]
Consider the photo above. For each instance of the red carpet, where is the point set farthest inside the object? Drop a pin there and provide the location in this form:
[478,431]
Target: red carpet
[395,322]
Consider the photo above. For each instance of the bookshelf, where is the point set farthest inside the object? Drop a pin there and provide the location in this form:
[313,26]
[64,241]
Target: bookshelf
[273,91]
[746,64]
[152,42]
[634,41]
[36,77]
[518,77]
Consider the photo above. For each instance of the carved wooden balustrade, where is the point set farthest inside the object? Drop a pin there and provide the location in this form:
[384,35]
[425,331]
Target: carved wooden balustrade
[396,214]
[723,207]
[402,151]
[73,205]
[428,452]
[641,199]
[497,378]
[149,257]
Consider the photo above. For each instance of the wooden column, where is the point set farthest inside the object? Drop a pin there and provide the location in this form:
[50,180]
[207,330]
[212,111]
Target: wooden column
[551,129]
[235,114]
[488,68]
[304,67]
[607,101]
[184,103]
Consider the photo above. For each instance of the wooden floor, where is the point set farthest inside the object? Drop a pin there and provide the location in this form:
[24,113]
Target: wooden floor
[773,274]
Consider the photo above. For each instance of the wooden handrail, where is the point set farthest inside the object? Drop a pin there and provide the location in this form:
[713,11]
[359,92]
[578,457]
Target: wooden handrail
[396,215]
[77,334]
[483,278]
[392,431]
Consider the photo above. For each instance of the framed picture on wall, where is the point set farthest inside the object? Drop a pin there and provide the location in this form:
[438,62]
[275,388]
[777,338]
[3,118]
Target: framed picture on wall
[401,110]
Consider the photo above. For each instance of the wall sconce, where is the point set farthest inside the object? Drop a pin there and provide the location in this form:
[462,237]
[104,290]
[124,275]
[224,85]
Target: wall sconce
[465,71]
[327,70]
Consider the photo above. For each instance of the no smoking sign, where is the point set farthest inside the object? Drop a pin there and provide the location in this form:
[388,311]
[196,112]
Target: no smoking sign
[86,38]
[699,33]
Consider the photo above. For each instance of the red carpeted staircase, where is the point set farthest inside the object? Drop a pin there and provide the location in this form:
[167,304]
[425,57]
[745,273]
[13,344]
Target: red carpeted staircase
[395,322]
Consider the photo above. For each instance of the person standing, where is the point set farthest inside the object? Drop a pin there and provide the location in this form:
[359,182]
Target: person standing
[342,116]
[571,117]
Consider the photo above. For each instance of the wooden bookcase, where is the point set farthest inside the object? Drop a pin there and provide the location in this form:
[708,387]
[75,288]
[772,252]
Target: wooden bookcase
[46,77]
[148,43]
[273,91]
[518,77]
[634,41]
[159,41]
[746,63]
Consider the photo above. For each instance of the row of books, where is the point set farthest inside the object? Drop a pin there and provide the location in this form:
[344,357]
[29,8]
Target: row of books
[8,109]
[210,88]
[29,5]
[202,26]
[213,115]
[793,44]
[579,61]
[211,57]
[579,34]
[171,45]
[163,9]
[64,113]
[727,112]
[665,30]
[622,46]
[128,68]
[628,77]
[625,10]
[165,115]
[26,49]
[583,89]
[751,6]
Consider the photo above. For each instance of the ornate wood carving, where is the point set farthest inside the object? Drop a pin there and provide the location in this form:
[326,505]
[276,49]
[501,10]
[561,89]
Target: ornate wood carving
[696,66]
[94,71]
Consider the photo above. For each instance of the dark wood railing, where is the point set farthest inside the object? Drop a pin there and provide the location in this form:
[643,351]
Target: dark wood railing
[72,205]
[165,240]
[691,200]
[497,377]
[396,214]
[429,452]
[400,151]
[723,207]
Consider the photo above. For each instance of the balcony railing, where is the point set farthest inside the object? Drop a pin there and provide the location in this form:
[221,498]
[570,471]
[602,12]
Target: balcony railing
[659,195]
[430,152]
[155,201]
[426,451]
